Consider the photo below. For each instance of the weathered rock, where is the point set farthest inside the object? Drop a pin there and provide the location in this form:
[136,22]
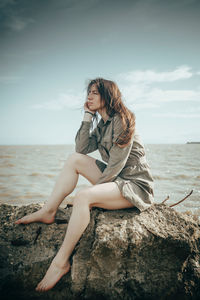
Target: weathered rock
[123,254]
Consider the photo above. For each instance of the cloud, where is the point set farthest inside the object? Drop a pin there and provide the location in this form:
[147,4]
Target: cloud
[15,15]
[194,109]
[142,106]
[176,115]
[18,24]
[5,3]
[140,93]
[137,96]
[159,95]
[150,76]
[9,79]
[64,100]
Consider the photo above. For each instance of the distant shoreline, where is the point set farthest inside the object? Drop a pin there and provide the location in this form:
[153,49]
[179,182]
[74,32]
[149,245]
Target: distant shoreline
[73,145]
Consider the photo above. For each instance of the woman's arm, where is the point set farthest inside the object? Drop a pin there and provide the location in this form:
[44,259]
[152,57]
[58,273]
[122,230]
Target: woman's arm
[118,156]
[84,142]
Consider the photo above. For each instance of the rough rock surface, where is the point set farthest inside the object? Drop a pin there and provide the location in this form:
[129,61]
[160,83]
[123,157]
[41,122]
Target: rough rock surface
[123,254]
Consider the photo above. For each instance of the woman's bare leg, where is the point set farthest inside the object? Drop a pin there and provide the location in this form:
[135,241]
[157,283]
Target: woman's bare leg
[105,195]
[76,164]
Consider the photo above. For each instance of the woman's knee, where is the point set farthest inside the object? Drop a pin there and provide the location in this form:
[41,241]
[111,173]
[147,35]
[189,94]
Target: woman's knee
[75,158]
[83,196]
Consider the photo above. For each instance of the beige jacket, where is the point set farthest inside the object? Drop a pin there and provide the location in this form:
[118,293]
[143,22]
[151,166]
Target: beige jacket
[103,138]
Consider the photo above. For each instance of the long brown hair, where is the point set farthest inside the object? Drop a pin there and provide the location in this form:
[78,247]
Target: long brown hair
[112,99]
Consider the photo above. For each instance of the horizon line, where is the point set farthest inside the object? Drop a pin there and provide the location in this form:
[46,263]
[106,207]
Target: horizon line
[64,144]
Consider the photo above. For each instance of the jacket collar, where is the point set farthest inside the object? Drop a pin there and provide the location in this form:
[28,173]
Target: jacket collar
[101,122]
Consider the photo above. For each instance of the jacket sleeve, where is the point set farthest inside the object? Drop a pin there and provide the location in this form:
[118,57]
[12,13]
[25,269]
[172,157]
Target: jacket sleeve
[118,156]
[84,141]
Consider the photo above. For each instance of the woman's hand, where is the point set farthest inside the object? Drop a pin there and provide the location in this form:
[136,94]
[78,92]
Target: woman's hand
[86,108]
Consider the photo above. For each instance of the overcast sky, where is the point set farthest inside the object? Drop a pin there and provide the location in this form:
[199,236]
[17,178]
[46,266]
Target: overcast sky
[49,49]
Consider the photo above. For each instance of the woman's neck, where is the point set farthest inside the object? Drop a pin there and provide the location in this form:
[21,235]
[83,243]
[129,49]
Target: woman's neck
[104,115]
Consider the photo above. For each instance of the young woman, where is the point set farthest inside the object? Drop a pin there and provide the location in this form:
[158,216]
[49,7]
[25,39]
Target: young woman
[125,181]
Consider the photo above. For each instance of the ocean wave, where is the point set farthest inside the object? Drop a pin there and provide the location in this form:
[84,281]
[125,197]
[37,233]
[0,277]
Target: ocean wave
[49,175]
[190,204]
[157,177]
[181,176]
[35,174]
[10,175]
[6,164]
[5,194]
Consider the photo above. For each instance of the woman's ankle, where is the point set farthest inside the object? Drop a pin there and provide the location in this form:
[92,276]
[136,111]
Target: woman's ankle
[49,210]
[61,262]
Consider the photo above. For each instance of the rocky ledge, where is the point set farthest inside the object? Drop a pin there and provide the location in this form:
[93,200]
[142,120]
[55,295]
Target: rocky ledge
[123,254]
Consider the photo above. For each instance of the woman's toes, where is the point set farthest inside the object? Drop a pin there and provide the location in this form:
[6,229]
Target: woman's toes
[19,221]
[38,288]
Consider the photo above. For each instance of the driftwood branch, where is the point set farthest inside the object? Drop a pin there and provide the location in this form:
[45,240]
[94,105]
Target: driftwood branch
[165,200]
[182,199]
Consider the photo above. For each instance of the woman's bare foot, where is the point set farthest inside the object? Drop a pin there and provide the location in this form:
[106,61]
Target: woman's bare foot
[41,215]
[53,275]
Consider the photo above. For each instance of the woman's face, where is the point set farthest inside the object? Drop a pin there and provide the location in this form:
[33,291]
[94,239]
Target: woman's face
[94,99]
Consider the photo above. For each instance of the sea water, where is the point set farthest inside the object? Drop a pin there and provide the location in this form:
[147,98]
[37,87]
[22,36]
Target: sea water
[28,173]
